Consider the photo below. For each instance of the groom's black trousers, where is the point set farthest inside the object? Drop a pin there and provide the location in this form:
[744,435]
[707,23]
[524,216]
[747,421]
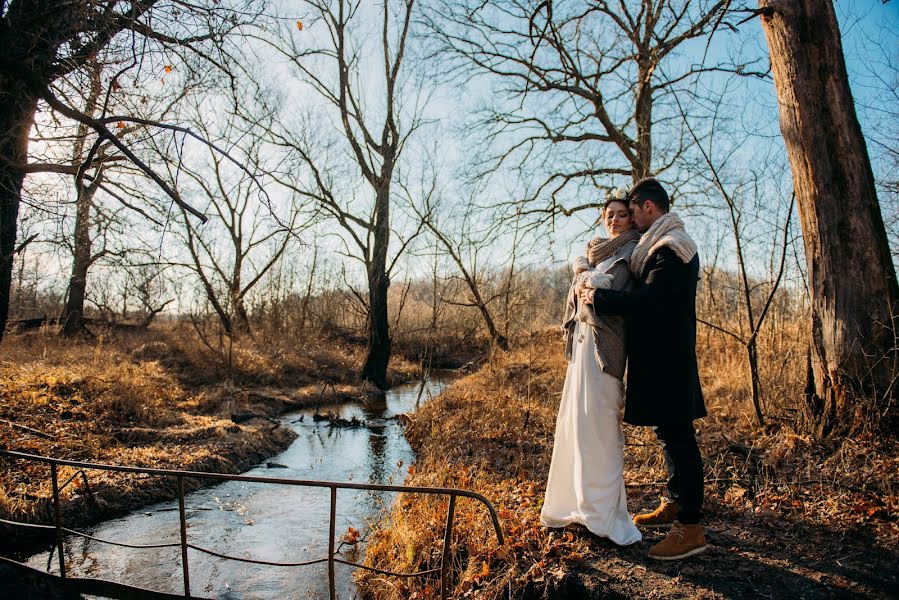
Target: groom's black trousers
[684,462]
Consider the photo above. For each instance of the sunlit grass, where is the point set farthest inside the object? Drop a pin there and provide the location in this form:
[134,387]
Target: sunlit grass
[160,398]
[492,432]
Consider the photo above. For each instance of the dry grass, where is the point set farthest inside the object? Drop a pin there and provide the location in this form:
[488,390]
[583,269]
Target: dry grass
[489,433]
[492,432]
[159,398]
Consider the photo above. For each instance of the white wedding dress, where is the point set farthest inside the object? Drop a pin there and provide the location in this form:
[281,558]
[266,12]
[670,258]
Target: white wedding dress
[586,483]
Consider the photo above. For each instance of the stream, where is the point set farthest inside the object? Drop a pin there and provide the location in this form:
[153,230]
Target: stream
[268,522]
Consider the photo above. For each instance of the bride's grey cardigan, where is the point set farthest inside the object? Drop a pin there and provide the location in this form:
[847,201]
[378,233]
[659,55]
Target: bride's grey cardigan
[608,330]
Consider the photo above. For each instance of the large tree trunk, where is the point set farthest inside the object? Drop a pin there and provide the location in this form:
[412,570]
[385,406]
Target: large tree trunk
[240,320]
[378,357]
[82,248]
[853,283]
[73,314]
[641,167]
[17,108]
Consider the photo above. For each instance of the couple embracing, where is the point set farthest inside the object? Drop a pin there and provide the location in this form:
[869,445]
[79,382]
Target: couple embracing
[633,303]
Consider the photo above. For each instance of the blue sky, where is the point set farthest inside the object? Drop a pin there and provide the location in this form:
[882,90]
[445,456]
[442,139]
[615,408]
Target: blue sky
[861,22]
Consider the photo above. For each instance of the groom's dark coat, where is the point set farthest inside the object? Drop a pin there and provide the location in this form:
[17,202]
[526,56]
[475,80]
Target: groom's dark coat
[662,375]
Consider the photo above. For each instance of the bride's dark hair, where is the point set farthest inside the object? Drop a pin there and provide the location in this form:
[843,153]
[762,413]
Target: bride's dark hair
[609,202]
[605,207]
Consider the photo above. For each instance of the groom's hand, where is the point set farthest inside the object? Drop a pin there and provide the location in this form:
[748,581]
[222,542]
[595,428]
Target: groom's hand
[587,295]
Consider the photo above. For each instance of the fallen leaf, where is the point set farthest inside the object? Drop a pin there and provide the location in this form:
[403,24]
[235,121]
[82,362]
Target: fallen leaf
[300,25]
[485,570]
[351,536]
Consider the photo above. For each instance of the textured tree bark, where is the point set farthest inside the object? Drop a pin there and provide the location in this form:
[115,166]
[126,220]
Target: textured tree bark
[379,343]
[641,166]
[17,108]
[82,246]
[852,280]
[73,314]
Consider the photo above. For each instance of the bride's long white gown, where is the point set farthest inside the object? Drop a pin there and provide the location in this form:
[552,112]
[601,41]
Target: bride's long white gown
[586,483]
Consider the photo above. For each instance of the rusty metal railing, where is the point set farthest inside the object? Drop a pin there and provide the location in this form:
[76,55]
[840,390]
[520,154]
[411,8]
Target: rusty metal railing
[184,544]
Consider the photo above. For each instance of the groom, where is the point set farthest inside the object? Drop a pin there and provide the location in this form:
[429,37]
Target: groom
[663,388]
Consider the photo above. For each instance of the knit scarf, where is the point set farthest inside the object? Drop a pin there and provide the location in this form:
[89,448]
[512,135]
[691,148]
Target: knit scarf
[668,230]
[599,248]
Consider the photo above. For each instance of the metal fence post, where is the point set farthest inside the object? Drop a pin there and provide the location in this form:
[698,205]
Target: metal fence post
[447,539]
[446,563]
[184,566]
[332,589]
[57,517]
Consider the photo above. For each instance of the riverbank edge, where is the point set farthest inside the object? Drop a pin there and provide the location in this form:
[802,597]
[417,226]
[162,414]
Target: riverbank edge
[236,448]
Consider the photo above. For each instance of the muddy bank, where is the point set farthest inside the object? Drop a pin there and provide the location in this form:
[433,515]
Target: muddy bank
[218,444]
[151,400]
[353,442]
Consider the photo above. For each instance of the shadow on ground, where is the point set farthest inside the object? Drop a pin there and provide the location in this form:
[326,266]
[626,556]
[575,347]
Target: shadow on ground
[748,557]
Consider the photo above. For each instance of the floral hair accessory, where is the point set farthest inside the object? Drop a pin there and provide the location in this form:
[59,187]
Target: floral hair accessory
[618,193]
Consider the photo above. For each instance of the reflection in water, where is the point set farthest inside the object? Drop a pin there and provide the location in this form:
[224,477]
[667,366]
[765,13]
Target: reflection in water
[375,410]
[267,522]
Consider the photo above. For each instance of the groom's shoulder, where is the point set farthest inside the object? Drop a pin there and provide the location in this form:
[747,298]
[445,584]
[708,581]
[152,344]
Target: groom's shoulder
[666,259]
[665,256]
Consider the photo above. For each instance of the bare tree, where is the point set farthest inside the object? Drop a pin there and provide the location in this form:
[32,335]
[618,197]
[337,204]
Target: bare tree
[102,171]
[582,99]
[854,293]
[245,238]
[150,288]
[335,68]
[755,308]
[754,218]
[463,240]
[73,313]
[42,41]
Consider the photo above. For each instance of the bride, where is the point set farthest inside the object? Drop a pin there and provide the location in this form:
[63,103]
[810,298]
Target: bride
[586,483]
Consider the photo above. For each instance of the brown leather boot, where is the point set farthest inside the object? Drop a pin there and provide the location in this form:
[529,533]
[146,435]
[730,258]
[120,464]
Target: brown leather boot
[682,541]
[663,516]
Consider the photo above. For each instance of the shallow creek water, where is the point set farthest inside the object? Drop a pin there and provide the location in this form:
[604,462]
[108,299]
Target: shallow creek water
[265,521]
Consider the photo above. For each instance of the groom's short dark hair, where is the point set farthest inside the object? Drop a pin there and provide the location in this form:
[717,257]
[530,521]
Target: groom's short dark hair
[650,189]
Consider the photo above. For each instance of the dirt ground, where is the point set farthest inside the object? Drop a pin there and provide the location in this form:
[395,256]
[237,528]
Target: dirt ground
[748,557]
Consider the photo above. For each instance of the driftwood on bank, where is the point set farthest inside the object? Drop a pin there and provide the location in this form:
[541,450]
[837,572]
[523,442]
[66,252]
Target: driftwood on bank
[38,322]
